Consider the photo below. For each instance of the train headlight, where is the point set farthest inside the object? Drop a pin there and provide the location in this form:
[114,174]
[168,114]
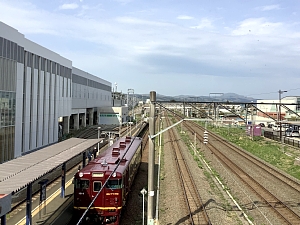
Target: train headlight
[80,174]
[114,175]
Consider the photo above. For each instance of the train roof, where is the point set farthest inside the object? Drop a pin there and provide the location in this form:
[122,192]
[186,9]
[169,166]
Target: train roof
[122,150]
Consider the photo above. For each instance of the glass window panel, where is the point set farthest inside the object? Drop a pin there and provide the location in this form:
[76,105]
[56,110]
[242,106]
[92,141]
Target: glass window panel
[97,186]
[5,144]
[8,48]
[8,144]
[15,51]
[114,184]
[1,145]
[81,184]
[11,149]
[22,55]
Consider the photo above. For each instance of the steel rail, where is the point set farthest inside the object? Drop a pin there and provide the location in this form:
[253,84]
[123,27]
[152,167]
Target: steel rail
[197,212]
[286,214]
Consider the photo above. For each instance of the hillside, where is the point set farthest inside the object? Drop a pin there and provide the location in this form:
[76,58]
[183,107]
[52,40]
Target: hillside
[231,97]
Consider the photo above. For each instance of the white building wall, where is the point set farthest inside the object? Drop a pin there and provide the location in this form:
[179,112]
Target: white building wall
[56,107]
[89,97]
[272,108]
[26,117]
[19,110]
[51,108]
[118,115]
[33,110]
[46,110]
[41,86]
[59,93]
[65,98]
[40,101]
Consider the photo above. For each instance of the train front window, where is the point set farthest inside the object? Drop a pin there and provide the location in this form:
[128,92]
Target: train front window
[97,186]
[114,184]
[81,184]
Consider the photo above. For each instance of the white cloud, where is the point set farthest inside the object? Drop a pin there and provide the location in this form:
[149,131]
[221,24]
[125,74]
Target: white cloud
[136,21]
[149,45]
[124,2]
[268,7]
[183,17]
[258,26]
[69,6]
[204,23]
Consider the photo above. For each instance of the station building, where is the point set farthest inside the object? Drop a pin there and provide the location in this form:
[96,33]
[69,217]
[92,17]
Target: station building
[42,95]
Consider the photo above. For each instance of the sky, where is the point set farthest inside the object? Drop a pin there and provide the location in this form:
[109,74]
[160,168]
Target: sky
[173,47]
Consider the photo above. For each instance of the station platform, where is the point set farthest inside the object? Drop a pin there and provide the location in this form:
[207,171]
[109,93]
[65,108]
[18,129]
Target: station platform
[48,211]
[22,174]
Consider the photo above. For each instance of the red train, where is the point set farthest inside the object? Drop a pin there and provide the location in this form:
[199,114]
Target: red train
[93,178]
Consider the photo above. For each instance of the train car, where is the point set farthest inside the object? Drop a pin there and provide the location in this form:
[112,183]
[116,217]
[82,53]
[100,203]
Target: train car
[112,173]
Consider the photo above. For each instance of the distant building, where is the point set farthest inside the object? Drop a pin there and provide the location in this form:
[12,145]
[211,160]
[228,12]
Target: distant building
[287,112]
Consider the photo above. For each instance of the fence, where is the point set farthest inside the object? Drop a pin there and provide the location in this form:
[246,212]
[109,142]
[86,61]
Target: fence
[286,140]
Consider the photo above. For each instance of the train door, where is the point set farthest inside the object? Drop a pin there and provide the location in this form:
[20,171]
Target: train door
[96,187]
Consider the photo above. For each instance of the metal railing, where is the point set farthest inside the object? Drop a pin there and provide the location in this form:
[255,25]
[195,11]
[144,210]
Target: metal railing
[286,140]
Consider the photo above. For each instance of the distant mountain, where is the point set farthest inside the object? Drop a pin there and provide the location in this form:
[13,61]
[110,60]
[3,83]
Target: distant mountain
[231,97]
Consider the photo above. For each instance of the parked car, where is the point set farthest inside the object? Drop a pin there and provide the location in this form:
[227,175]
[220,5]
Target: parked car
[285,125]
[292,133]
[276,127]
[270,125]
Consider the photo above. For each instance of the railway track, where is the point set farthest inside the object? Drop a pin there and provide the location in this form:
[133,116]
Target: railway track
[197,214]
[286,214]
[290,182]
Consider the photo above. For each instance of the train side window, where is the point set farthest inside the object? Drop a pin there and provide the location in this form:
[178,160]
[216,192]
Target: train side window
[97,186]
[82,184]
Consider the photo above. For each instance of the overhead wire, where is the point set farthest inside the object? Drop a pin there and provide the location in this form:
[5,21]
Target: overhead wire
[273,92]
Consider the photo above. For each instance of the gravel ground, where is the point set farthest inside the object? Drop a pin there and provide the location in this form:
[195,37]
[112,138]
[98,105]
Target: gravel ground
[217,204]
[170,211]
[220,208]
[256,210]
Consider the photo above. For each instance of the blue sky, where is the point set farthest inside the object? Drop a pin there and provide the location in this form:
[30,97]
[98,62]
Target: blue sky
[173,47]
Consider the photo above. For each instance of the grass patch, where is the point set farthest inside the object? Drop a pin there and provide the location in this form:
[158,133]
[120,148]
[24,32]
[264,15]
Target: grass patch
[268,151]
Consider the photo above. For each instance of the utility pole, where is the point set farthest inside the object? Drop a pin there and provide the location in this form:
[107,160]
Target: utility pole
[279,117]
[130,91]
[252,122]
[151,159]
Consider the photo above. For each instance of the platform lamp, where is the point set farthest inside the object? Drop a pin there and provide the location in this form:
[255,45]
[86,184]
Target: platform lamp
[143,192]
[99,128]
[279,117]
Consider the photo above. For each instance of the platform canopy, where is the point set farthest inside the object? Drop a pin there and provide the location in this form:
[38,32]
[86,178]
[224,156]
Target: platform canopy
[17,173]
